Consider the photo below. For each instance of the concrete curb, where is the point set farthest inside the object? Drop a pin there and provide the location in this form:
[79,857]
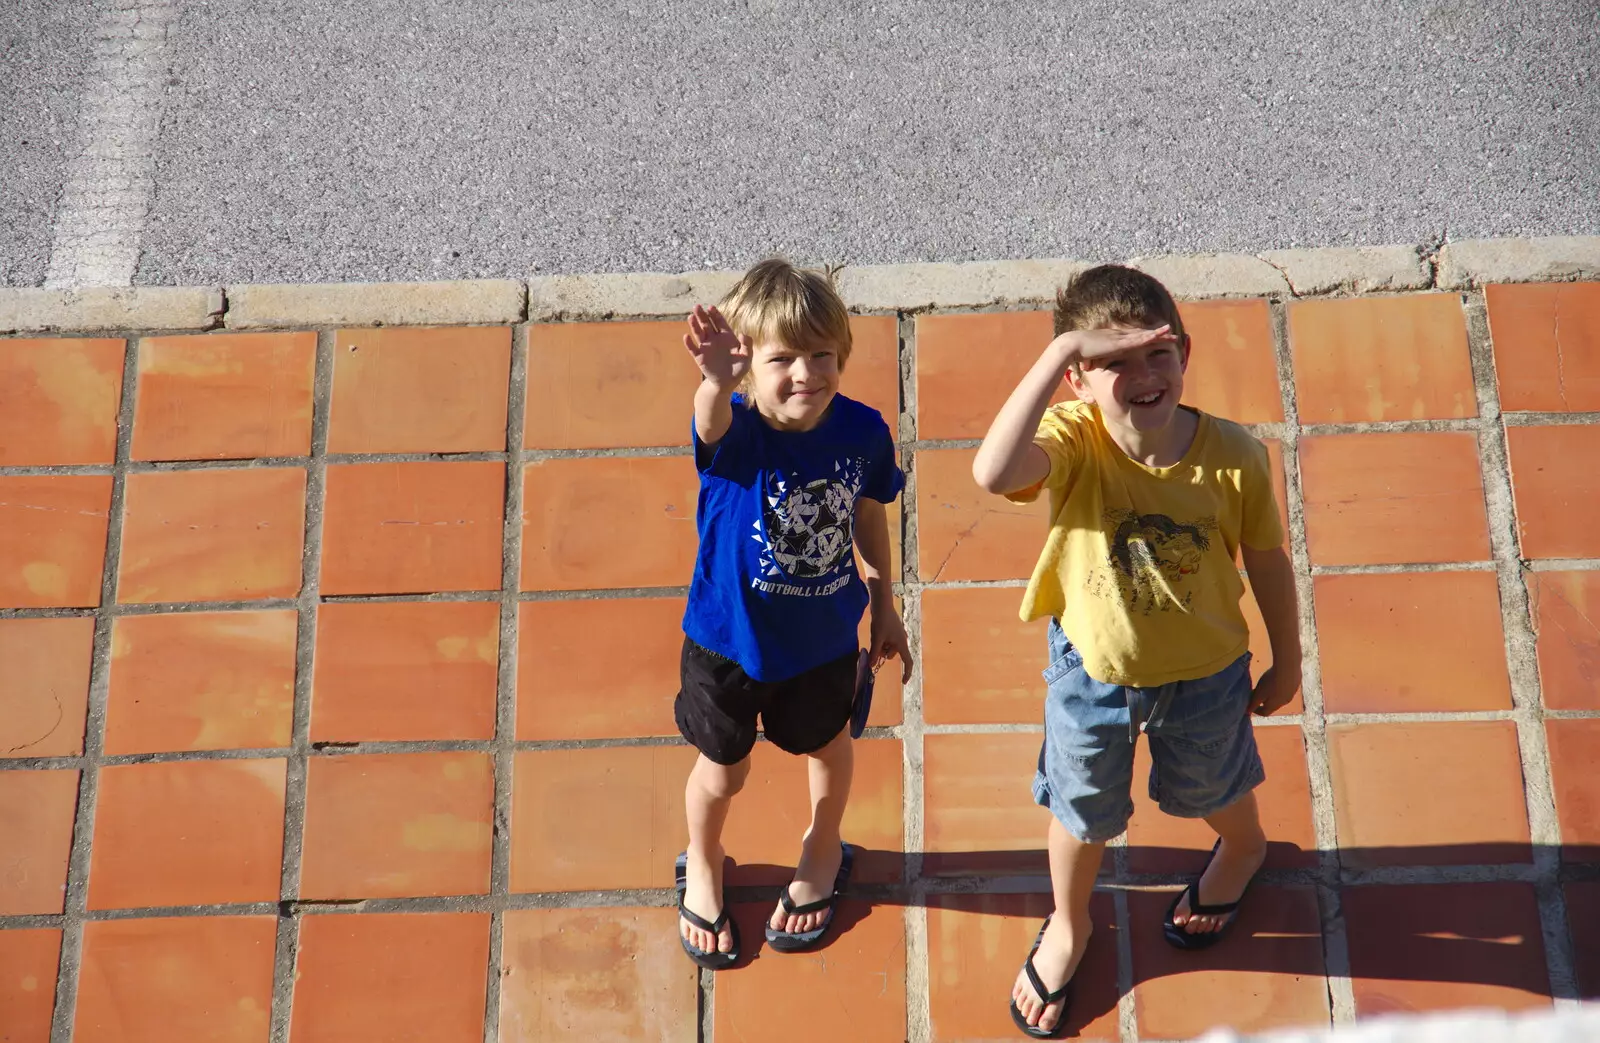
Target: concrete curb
[1279,274]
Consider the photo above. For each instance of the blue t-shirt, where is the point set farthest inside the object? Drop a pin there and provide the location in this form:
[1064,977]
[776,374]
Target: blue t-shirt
[775,586]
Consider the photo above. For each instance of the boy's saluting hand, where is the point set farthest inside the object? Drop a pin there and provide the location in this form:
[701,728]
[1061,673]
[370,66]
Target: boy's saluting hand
[722,355]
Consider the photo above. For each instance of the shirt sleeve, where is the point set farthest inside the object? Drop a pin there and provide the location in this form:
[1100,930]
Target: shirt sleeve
[1059,442]
[883,480]
[728,456]
[1262,528]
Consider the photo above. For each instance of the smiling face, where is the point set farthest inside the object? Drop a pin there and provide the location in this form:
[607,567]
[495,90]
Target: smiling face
[1138,390]
[792,387]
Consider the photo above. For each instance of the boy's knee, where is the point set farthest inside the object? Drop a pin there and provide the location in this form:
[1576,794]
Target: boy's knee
[721,781]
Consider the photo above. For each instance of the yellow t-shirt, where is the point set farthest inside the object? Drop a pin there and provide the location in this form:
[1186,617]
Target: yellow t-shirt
[1141,562]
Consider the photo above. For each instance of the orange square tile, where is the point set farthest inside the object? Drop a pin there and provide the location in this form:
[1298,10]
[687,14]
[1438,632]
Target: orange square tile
[201,681]
[224,396]
[1233,367]
[770,817]
[1546,345]
[572,684]
[1583,922]
[575,975]
[187,833]
[1382,358]
[599,523]
[55,544]
[391,976]
[1378,499]
[1280,485]
[233,534]
[976,944]
[45,689]
[1410,952]
[398,825]
[1563,605]
[58,401]
[1574,745]
[852,988]
[1267,974]
[28,962]
[978,809]
[1161,843]
[399,671]
[1557,490]
[437,390]
[558,796]
[872,375]
[1428,793]
[980,663]
[967,365]
[1411,642]
[37,810]
[192,977]
[966,533]
[413,528]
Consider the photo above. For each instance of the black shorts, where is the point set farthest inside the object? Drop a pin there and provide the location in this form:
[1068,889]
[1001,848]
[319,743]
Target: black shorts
[718,703]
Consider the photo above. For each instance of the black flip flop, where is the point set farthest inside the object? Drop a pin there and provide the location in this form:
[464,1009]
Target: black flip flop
[1062,995]
[711,961]
[800,941]
[1178,937]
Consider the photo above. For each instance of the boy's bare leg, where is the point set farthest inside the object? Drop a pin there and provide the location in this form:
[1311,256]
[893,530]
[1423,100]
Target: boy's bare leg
[707,798]
[830,770]
[1244,848]
[1073,867]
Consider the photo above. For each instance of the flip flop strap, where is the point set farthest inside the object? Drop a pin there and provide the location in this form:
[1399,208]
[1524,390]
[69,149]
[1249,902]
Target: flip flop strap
[1198,908]
[840,879]
[1045,995]
[696,920]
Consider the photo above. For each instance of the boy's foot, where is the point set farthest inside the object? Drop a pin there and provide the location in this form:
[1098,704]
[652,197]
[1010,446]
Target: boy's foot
[1232,867]
[703,897]
[1061,948]
[813,881]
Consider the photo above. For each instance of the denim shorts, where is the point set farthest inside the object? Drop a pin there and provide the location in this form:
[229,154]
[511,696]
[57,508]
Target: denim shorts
[1202,744]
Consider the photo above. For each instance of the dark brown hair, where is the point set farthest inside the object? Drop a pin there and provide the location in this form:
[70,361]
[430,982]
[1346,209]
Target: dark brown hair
[1115,295]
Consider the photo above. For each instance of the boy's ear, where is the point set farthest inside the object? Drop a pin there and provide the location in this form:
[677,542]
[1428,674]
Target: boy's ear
[1183,352]
[1079,386]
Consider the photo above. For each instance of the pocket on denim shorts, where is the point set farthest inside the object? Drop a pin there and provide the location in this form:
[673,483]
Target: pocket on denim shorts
[1064,657]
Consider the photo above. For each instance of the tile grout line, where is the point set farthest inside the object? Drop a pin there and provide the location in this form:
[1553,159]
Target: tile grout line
[1521,655]
[299,752]
[1314,716]
[505,723]
[75,902]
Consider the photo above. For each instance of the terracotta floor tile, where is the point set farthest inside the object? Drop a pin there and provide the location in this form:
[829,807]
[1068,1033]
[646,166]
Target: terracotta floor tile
[1427,947]
[437,390]
[58,401]
[1377,499]
[980,663]
[213,535]
[1161,843]
[598,819]
[853,988]
[1280,485]
[600,385]
[872,375]
[1583,921]
[1411,642]
[398,977]
[400,671]
[1382,358]
[976,944]
[1566,618]
[55,546]
[201,681]
[1267,974]
[1574,747]
[187,833]
[1233,366]
[1428,793]
[593,524]
[224,396]
[771,815]
[979,815]
[46,685]
[37,810]
[579,975]
[194,977]
[413,528]
[1556,488]
[1546,345]
[28,962]
[968,364]
[966,533]
[398,825]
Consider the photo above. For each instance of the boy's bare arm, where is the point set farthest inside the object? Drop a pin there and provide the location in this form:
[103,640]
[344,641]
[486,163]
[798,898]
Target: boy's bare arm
[1272,579]
[872,540]
[723,358]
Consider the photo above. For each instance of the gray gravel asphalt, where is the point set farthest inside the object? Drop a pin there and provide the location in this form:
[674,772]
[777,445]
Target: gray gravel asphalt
[399,139]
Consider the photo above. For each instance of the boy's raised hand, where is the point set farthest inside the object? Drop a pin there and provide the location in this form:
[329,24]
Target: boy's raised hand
[1093,345]
[722,355]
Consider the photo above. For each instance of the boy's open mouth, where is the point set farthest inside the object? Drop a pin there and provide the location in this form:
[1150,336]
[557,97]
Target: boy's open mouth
[1148,399]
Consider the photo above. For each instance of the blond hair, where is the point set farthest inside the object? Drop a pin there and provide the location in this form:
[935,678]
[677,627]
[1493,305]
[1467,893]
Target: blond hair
[1113,295]
[775,302]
